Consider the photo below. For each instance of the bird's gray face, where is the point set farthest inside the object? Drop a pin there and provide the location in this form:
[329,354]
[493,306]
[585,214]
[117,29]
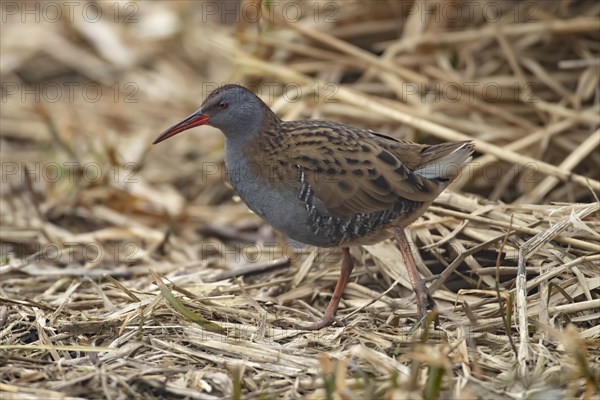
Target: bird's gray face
[234,110]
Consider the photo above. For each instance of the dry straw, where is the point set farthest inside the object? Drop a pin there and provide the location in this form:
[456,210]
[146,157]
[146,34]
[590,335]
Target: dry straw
[134,272]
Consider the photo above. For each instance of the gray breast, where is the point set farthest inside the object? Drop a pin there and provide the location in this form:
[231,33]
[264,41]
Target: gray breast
[281,208]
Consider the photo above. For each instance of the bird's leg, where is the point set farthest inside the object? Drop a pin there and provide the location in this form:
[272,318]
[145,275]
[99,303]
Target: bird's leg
[329,316]
[424,300]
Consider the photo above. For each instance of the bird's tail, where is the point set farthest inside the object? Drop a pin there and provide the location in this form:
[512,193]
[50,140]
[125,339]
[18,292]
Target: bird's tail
[445,161]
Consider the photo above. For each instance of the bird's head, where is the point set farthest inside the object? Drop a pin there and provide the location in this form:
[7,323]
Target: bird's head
[233,109]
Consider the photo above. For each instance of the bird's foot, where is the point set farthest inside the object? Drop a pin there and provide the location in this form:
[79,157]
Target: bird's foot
[425,303]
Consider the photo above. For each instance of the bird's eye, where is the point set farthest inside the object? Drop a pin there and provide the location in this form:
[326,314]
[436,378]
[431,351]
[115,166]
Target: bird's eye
[223,104]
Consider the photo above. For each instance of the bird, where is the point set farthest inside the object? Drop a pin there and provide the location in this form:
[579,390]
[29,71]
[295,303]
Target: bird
[326,183]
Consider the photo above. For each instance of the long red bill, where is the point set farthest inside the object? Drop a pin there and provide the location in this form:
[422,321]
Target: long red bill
[196,119]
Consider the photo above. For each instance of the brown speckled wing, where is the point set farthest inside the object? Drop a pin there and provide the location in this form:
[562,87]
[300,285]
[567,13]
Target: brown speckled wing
[354,171]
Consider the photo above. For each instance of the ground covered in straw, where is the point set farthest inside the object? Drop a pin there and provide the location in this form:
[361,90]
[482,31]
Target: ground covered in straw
[132,271]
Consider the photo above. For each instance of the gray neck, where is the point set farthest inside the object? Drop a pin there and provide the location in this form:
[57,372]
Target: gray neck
[236,143]
[242,177]
[238,136]
[235,157]
[240,131]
